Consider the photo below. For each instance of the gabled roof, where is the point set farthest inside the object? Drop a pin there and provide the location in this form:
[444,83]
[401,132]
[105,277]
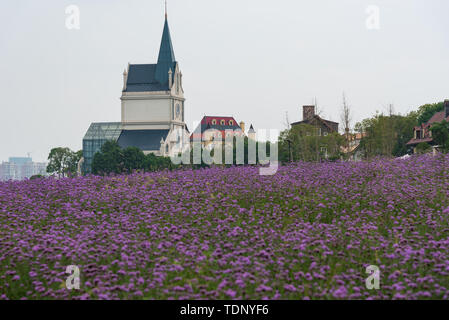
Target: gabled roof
[153,77]
[438,117]
[103,131]
[145,140]
[209,119]
[418,141]
[317,117]
[206,124]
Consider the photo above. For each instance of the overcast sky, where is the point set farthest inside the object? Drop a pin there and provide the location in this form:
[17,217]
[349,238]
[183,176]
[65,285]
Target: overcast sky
[251,59]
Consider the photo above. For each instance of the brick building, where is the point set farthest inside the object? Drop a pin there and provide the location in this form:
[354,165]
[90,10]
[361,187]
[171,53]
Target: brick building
[309,117]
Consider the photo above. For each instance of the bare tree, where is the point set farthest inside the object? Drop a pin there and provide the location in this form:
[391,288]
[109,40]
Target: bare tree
[318,110]
[287,121]
[346,114]
[346,118]
[390,109]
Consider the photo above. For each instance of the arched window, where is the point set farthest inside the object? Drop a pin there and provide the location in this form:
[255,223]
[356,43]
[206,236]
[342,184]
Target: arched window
[222,122]
[231,123]
[166,148]
[214,122]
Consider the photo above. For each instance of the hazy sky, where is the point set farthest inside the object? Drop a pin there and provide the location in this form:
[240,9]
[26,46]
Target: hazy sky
[252,59]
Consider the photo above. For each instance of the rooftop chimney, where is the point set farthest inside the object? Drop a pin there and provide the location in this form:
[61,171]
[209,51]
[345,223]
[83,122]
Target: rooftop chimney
[446,108]
[242,126]
[308,112]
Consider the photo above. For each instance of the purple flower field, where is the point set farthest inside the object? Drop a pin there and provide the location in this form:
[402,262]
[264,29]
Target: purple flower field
[308,232]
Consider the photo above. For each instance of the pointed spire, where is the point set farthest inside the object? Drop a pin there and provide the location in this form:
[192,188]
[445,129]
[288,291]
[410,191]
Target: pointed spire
[166,15]
[166,58]
[125,79]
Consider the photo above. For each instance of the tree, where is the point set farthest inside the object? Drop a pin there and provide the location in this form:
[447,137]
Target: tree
[74,158]
[112,159]
[37,176]
[346,120]
[346,114]
[133,159]
[403,126]
[308,145]
[423,147]
[153,163]
[109,159]
[440,135]
[287,121]
[60,160]
[386,135]
[426,111]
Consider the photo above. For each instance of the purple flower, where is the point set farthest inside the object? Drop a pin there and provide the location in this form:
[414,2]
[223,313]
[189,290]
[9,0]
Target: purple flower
[231,293]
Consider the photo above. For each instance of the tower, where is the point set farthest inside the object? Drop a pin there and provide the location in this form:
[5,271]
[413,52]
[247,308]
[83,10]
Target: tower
[152,109]
[152,95]
[153,99]
[251,133]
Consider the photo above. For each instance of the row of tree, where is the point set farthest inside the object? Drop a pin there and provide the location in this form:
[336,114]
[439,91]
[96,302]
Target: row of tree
[113,159]
[388,134]
[382,135]
[303,142]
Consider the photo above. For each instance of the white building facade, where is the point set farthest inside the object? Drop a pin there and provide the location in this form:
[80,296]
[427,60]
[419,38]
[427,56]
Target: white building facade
[152,109]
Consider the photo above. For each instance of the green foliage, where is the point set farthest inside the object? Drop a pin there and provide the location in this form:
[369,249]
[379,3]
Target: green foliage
[37,176]
[423,147]
[307,145]
[154,163]
[109,159]
[113,159]
[440,134]
[387,135]
[133,159]
[426,111]
[403,126]
[63,161]
[232,153]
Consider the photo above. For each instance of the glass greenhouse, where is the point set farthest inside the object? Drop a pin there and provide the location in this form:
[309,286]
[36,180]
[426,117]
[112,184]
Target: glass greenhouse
[94,139]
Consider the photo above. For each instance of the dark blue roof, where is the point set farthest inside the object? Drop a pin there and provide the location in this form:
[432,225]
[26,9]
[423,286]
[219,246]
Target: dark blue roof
[153,77]
[145,140]
[166,60]
[141,78]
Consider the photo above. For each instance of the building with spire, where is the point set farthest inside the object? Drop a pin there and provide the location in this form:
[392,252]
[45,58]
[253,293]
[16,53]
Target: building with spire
[152,109]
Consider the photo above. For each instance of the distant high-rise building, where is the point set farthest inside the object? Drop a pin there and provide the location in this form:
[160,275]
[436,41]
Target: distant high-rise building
[21,168]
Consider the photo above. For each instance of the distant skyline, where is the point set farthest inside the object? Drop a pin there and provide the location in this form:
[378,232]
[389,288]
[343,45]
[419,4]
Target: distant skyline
[254,60]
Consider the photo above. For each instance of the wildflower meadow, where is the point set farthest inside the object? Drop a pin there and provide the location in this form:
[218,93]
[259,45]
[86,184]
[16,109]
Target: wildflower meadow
[308,232]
